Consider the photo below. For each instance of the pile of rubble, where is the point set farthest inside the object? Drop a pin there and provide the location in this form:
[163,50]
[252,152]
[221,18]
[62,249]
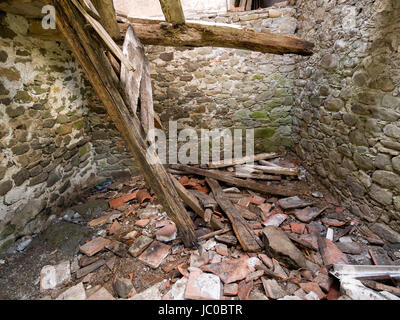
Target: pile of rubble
[309,248]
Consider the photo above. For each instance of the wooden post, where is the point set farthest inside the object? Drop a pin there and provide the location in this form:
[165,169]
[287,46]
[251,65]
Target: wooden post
[98,70]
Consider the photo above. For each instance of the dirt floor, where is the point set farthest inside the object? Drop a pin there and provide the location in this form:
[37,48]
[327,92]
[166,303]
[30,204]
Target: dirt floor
[137,209]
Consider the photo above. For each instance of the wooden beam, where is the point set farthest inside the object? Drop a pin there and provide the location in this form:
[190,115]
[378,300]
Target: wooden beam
[194,204]
[295,188]
[108,18]
[173,11]
[90,54]
[200,34]
[237,161]
[205,34]
[137,85]
[246,236]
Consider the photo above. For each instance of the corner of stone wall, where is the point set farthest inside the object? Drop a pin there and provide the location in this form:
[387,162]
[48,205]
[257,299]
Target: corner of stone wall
[346,117]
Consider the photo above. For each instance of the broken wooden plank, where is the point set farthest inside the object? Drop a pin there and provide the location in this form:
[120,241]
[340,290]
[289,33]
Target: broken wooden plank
[246,237]
[291,189]
[104,35]
[173,11]
[194,204]
[98,70]
[237,161]
[272,169]
[206,34]
[257,176]
[248,215]
[381,287]
[207,201]
[108,18]
[137,85]
[215,233]
[296,238]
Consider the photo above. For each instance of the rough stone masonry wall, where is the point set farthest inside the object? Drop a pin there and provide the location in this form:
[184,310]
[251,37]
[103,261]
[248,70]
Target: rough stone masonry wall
[346,124]
[228,88]
[54,136]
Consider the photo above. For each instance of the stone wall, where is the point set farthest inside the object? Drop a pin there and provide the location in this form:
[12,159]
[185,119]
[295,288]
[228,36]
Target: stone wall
[346,117]
[54,137]
[228,88]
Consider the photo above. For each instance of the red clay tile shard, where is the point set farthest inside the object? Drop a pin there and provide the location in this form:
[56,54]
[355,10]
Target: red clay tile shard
[272,289]
[256,200]
[222,249]
[265,207]
[266,260]
[143,195]
[333,222]
[115,203]
[307,214]
[167,233]
[299,228]
[184,180]
[229,270]
[312,286]
[324,281]
[312,240]
[255,275]
[131,235]
[293,203]
[198,261]
[99,221]
[330,252]
[245,289]
[142,223]
[275,220]
[231,289]
[115,227]
[101,294]
[139,245]
[96,245]
[244,202]
[155,254]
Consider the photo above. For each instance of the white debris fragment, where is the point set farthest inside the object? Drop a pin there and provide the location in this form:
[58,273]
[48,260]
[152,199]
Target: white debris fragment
[357,291]
[329,234]
[54,276]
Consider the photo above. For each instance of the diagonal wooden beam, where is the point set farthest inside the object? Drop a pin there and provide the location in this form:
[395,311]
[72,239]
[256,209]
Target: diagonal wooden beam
[90,54]
[173,11]
[106,10]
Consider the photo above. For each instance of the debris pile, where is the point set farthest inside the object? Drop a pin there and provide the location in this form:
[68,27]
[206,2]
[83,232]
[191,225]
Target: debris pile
[297,243]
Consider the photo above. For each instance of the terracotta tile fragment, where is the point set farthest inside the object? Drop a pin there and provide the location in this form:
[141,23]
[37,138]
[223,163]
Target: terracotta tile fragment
[155,254]
[96,245]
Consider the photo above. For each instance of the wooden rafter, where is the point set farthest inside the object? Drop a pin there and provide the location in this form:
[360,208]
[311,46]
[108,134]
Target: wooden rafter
[200,34]
[173,11]
[108,18]
[205,34]
[90,53]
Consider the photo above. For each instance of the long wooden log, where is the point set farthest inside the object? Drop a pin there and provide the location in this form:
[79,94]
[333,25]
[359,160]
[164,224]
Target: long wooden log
[272,169]
[268,188]
[194,204]
[198,34]
[97,68]
[173,11]
[108,17]
[205,34]
[237,161]
[246,236]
